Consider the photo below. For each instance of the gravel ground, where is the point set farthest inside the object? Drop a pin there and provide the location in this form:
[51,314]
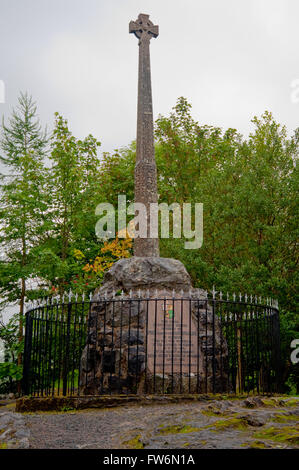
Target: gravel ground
[266,423]
[14,434]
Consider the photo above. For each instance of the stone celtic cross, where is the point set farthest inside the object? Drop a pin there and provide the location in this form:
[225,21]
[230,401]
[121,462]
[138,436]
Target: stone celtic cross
[145,168]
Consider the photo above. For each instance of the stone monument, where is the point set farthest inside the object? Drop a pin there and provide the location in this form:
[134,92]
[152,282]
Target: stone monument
[145,345]
[145,167]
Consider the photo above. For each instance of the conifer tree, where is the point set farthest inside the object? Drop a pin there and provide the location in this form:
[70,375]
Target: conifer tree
[22,201]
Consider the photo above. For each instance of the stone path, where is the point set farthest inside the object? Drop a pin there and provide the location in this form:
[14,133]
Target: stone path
[251,423]
[14,434]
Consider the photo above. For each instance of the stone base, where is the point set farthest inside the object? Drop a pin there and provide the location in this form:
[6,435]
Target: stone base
[132,343]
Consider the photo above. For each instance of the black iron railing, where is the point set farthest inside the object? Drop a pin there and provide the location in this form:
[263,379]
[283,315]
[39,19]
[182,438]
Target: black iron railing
[128,344]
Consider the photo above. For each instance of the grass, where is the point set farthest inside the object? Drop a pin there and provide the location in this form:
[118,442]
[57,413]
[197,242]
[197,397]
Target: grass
[235,423]
[177,429]
[134,443]
[287,434]
[282,418]
[255,445]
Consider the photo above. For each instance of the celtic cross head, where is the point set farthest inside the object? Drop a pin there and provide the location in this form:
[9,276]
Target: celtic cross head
[143,28]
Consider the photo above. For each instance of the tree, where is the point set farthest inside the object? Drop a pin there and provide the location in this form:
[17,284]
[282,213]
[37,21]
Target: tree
[22,202]
[249,191]
[72,188]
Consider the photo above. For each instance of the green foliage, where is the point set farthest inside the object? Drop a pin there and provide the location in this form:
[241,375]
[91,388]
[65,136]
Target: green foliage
[22,200]
[72,193]
[248,188]
[10,371]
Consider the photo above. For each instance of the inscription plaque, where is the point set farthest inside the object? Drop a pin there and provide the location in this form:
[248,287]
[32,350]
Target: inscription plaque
[172,338]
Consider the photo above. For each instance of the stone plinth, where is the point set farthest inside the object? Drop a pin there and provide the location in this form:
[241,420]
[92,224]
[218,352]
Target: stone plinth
[152,346]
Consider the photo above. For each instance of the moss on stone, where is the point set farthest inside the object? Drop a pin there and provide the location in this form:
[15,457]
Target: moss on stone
[236,423]
[134,443]
[292,402]
[270,402]
[10,406]
[254,445]
[209,413]
[286,434]
[3,445]
[283,418]
[280,402]
[177,429]
[213,413]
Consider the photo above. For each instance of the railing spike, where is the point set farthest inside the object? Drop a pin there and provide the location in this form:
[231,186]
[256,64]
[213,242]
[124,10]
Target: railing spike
[227,296]
[240,296]
[173,293]
[234,297]
[220,295]
[147,293]
[83,296]
[214,292]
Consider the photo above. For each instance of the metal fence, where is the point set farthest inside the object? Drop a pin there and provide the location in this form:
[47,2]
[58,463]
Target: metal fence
[145,345]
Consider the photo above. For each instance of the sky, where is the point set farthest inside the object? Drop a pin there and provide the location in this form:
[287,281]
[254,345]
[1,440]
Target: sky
[231,59]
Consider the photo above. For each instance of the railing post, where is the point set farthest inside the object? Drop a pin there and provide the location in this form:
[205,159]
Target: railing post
[67,349]
[27,355]
[278,371]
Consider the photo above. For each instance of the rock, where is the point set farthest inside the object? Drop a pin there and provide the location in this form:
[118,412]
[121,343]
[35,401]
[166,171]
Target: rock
[22,444]
[253,420]
[11,396]
[5,419]
[147,273]
[14,433]
[254,402]
[21,433]
[126,334]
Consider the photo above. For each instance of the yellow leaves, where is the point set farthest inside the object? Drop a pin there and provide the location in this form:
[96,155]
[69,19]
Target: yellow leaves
[87,268]
[128,232]
[110,252]
[78,254]
[118,248]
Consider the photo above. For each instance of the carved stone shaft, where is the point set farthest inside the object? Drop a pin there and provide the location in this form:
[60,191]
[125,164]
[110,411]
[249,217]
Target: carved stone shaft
[145,168]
